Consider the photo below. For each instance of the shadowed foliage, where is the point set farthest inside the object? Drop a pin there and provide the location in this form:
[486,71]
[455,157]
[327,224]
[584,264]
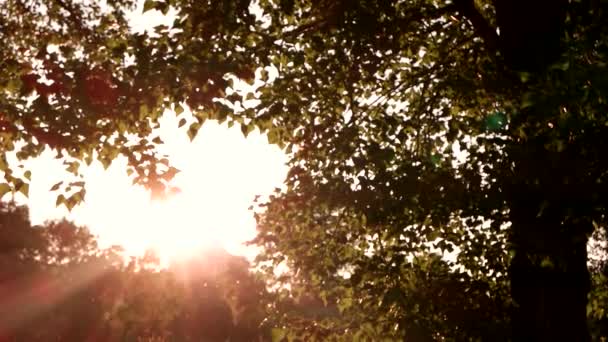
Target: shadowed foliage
[57,285]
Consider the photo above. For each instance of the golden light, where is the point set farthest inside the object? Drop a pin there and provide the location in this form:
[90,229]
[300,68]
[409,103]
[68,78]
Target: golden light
[221,173]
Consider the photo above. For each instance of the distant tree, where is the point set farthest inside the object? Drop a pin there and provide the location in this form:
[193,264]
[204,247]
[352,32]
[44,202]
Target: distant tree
[224,300]
[21,244]
[58,285]
[52,276]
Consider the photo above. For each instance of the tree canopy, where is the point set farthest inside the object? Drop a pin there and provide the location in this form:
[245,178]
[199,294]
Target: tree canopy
[472,127]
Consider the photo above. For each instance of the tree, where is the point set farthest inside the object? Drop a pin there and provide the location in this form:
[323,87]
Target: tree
[57,284]
[421,300]
[67,85]
[383,98]
[223,300]
[470,125]
[55,280]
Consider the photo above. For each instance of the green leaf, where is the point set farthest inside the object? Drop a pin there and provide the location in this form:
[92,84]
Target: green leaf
[344,304]
[264,75]
[527,100]
[4,189]
[561,65]
[157,140]
[73,167]
[56,186]
[28,175]
[546,263]
[143,111]
[272,136]
[246,129]
[79,196]
[60,200]
[148,5]
[250,96]
[193,130]
[24,188]
[70,203]
[78,184]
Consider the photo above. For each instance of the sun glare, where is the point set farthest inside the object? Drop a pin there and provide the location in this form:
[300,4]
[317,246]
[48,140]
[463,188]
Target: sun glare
[221,173]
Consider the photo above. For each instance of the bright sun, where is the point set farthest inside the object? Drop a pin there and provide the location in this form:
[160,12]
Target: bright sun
[184,224]
[221,173]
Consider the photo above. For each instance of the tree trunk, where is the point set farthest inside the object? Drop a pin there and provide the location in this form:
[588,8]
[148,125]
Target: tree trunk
[551,212]
[549,278]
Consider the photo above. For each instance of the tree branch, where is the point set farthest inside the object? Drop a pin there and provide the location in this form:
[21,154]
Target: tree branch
[467,9]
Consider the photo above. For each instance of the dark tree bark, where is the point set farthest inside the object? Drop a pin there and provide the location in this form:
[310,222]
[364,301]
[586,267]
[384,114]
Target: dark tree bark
[530,32]
[549,282]
[549,276]
[550,227]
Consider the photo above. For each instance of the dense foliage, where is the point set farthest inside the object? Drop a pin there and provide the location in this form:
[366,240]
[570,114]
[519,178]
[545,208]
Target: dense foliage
[58,285]
[414,127]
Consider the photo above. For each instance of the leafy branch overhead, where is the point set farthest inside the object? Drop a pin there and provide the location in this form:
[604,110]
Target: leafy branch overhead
[78,81]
